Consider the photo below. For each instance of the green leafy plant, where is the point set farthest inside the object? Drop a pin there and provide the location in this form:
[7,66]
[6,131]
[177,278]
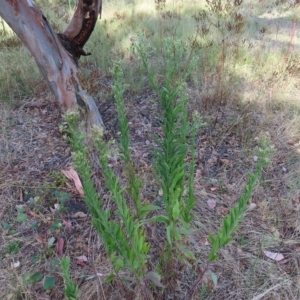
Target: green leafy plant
[57,224]
[6,226]
[13,247]
[232,222]
[22,216]
[134,183]
[71,288]
[124,239]
[172,149]
[62,198]
[49,283]
[34,278]
[123,236]
[122,232]
[58,178]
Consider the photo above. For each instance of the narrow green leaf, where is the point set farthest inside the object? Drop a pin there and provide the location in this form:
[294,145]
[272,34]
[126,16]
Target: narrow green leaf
[214,277]
[159,219]
[110,278]
[189,254]
[119,264]
[212,239]
[199,224]
[150,207]
[213,257]
[176,211]
[185,231]
[169,234]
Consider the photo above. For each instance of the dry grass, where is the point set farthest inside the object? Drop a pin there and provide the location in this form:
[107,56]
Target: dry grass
[257,91]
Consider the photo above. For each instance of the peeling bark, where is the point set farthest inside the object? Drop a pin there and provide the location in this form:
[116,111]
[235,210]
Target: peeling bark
[57,62]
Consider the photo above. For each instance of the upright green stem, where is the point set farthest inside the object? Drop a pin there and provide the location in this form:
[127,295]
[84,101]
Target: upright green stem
[134,182]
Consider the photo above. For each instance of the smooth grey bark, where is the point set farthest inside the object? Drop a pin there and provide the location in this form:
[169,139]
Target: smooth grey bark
[57,54]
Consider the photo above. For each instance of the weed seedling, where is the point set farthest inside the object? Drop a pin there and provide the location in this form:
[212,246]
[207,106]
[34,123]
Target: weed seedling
[71,288]
[12,248]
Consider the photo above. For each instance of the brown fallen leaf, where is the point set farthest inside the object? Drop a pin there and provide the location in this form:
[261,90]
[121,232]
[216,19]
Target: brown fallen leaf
[211,203]
[81,260]
[71,174]
[68,224]
[274,255]
[79,214]
[204,242]
[284,261]
[224,161]
[40,239]
[60,247]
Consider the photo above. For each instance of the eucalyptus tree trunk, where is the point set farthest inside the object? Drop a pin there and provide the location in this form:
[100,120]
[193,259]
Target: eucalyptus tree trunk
[57,55]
